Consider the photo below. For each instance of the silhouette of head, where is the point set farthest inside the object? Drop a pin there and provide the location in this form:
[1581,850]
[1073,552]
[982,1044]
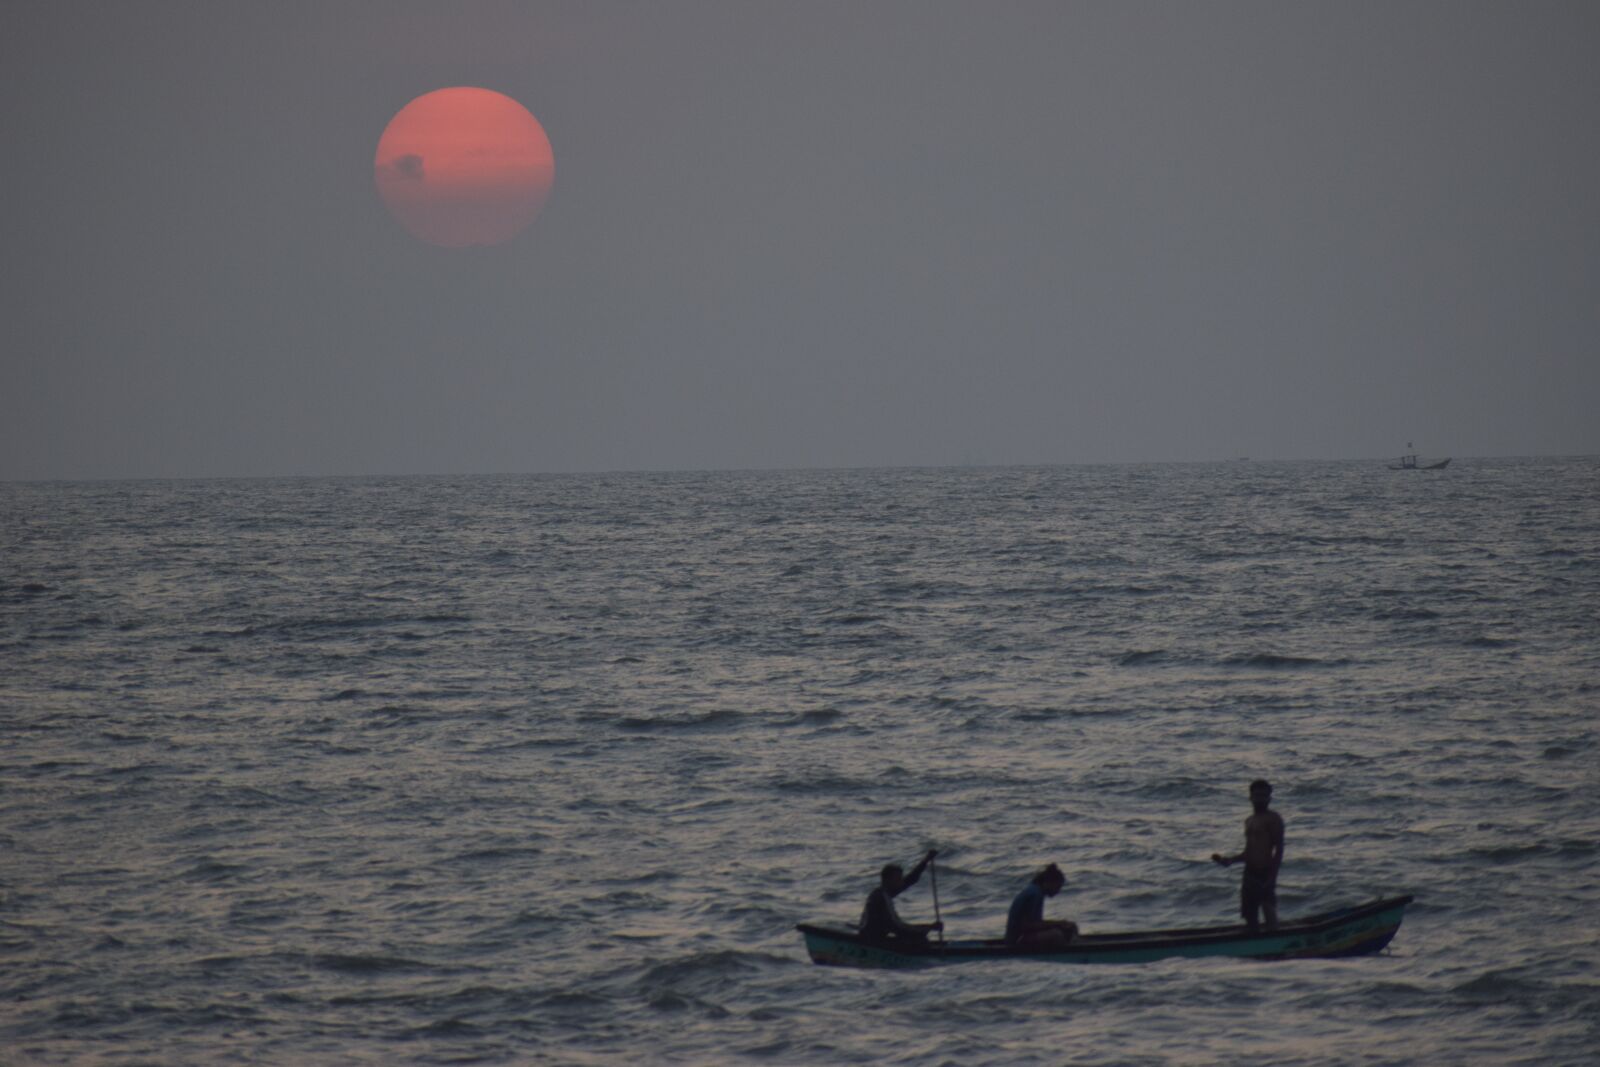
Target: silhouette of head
[893,878]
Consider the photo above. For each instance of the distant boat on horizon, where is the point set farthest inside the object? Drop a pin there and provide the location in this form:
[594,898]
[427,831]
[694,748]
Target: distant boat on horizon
[1408,462]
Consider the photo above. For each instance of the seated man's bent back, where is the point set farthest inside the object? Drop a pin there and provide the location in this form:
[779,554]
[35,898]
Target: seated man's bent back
[1026,926]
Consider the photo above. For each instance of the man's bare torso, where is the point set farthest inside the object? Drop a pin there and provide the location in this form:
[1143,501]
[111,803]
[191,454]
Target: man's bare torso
[1263,832]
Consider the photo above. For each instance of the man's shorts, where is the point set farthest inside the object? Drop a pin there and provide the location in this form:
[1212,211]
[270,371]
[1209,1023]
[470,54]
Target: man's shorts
[1258,889]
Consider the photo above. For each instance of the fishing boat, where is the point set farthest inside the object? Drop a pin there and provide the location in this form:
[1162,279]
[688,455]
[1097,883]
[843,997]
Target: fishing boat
[1409,462]
[1353,931]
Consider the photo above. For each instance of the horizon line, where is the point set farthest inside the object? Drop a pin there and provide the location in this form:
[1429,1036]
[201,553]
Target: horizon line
[614,471]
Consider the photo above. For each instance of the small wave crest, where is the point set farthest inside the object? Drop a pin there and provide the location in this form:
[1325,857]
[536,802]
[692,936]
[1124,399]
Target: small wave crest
[1497,986]
[1405,615]
[718,718]
[211,870]
[702,969]
[364,963]
[817,717]
[1273,661]
[1487,641]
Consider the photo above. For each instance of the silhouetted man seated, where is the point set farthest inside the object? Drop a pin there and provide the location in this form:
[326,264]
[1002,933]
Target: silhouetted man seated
[1026,926]
[878,919]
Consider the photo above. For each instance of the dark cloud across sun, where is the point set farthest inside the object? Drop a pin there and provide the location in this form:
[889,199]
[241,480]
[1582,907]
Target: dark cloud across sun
[408,166]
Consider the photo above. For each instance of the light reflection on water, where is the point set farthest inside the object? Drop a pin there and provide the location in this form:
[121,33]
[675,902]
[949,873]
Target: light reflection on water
[510,768]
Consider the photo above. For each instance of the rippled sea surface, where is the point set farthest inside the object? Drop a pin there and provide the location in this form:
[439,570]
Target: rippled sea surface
[544,769]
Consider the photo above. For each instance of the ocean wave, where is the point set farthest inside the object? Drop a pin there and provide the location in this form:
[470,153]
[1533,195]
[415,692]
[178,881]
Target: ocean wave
[332,623]
[368,963]
[213,870]
[566,1003]
[817,717]
[1406,615]
[495,854]
[1275,661]
[1486,641]
[1181,788]
[716,719]
[712,968]
[526,920]
[671,1001]
[1499,855]
[851,618]
[1497,986]
[829,782]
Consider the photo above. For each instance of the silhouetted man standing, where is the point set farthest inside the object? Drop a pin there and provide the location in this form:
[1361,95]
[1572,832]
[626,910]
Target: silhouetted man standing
[1262,856]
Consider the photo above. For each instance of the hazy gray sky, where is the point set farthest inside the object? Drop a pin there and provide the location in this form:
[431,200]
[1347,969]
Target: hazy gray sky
[803,234]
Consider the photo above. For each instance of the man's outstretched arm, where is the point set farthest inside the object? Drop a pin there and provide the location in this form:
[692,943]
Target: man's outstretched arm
[916,872]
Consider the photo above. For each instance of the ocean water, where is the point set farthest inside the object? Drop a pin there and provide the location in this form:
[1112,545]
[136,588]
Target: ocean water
[545,769]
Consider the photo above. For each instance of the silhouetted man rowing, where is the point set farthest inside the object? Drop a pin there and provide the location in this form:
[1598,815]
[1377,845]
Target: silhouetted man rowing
[878,919]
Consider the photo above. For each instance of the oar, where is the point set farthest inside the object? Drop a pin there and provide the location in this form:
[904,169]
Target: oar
[933,876]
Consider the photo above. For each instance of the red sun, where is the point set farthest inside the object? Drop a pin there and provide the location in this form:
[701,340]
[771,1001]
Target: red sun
[464,166]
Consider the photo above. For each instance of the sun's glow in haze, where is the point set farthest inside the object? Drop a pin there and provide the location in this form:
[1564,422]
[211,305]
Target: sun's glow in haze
[464,166]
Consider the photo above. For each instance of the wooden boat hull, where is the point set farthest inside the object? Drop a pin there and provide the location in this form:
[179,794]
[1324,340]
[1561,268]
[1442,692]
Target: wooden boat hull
[1354,931]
